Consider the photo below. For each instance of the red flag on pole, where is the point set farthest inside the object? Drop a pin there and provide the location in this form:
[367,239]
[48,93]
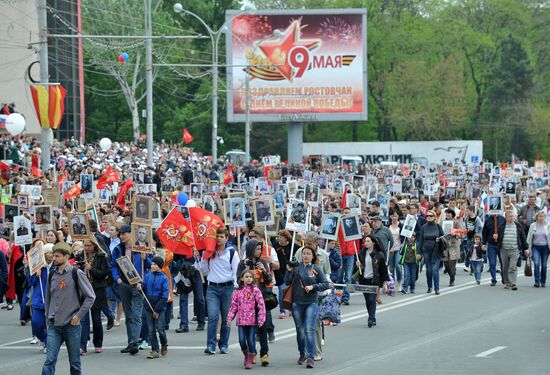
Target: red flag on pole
[121,199]
[62,178]
[109,176]
[187,137]
[228,176]
[205,227]
[72,192]
[4,166]
[176,235]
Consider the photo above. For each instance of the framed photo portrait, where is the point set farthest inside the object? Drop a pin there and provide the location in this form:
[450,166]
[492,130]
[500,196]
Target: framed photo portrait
[329,226]
[352,229]
[128,269]
[298,213]
[23,202]
[43,217]
[35,193]
[196,192]
[264,210]
[273,229]
[279,198]
[86,186]
[10,211]
[142,238]
[235,212]
[36,258]
[142,209]
[79,226]
[495,205]
[22,230]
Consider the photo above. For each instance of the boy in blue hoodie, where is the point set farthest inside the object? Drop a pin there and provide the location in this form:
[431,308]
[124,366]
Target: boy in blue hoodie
[156,288]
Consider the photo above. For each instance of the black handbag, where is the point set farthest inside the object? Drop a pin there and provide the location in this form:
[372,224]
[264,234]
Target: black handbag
[270,300]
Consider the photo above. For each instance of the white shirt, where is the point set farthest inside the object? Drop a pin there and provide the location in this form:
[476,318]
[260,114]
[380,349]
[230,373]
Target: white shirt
[218,269]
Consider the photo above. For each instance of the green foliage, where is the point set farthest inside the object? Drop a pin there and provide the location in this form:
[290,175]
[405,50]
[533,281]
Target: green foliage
[438,69]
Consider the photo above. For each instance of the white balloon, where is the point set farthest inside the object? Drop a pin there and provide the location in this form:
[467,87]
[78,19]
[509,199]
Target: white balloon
[105,144]
[191,203]
[15,123]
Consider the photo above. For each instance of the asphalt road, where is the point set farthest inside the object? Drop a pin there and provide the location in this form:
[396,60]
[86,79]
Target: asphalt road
[468,329]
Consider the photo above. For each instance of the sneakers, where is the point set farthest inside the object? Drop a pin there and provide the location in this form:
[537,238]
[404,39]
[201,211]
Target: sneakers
[478,282]
[133,350]
[345,303]
[466,269]
[144,345]
[493,282]
[507,286]
[125,350]
[437,292]
[248,360]
[404,291]
[429,290]
[110,323]
[33,341]
[514,287]
[265,360]
[153,355]
[310,363]
[271,337]
[318,358]
[301,359]
[223,351]
[536,286]
[200,327]
[183,329]
[98,350]
[43,348]
[282,315]
[163,350]
[209,351]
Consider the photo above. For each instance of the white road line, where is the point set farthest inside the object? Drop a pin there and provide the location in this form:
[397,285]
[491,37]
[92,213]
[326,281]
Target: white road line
[487,353]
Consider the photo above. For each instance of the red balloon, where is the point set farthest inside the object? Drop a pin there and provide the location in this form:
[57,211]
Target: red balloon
[121,59]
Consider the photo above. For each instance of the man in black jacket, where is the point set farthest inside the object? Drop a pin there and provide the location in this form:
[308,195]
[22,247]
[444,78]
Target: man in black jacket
[492,233]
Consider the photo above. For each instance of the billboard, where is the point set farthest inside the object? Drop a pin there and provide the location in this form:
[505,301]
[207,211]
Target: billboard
[303,65]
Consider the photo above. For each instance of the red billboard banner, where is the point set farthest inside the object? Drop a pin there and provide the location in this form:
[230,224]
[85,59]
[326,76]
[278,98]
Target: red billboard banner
[297,65]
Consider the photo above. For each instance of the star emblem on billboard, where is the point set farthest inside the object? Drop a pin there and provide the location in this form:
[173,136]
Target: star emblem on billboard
[278,51]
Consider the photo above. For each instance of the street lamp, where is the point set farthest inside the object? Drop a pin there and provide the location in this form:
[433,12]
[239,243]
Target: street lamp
[215,39]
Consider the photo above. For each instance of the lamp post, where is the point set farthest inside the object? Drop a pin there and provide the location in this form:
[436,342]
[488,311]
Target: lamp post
[215,39]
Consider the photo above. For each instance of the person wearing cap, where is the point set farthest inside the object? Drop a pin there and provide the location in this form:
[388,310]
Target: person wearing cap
[156,288]
[96,267]
[131,297]
[38,282]
[69,296]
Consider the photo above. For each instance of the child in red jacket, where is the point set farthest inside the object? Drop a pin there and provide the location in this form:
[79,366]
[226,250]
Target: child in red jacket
[247,300]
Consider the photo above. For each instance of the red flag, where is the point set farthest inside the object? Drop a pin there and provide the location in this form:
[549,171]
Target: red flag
[205,227]
[109,176]
[176,235]
[73,192]
[187,137]
[121,199]
[62,178]
[4,166]
[36,172]
[228,176]
[266,174]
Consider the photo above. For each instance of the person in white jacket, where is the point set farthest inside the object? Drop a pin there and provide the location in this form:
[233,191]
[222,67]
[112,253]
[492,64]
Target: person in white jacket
[538,239]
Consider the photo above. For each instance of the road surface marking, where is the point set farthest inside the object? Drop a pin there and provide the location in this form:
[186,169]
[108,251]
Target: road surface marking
[487,353]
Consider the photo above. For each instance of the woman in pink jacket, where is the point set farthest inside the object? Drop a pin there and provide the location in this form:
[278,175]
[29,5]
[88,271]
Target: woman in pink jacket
[246,303]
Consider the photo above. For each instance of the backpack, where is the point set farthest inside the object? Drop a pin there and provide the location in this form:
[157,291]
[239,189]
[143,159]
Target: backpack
[184,279]
[74,274]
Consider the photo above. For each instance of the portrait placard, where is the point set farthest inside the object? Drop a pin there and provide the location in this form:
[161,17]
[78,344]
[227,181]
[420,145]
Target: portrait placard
[36,258]
[10,211]
[264,210]
[142,209]
[43,217]
[297,216]
[329,226]
[352,228]
[128,269]
[142,238]
[408,226]
[79,226]
[22,230]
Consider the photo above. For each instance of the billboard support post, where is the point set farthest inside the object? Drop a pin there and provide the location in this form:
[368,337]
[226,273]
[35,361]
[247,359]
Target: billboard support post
[295,142]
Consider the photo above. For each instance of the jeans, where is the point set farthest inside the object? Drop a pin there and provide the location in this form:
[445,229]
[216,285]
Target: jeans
[410,276]
[218,299]
[132,304]
[154,326]
[432,269]
[97,329]
[168,315]
[198,301]
[106,310]
[305,318]
[345,273]
[467,245]
[263,330]
[477,266]
[540,258]
[38,324]
[492,251]
[113,296]
[247,339]
[280,288]
[394,262]
[144,331]
[56,336]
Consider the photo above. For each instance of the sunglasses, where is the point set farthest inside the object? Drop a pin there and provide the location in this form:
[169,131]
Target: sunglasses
[430,216]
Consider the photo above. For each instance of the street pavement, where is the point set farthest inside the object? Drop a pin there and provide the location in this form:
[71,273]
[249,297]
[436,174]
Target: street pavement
[467,329]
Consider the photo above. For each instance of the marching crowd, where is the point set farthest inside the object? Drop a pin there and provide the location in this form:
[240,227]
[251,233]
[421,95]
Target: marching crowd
[85,279]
